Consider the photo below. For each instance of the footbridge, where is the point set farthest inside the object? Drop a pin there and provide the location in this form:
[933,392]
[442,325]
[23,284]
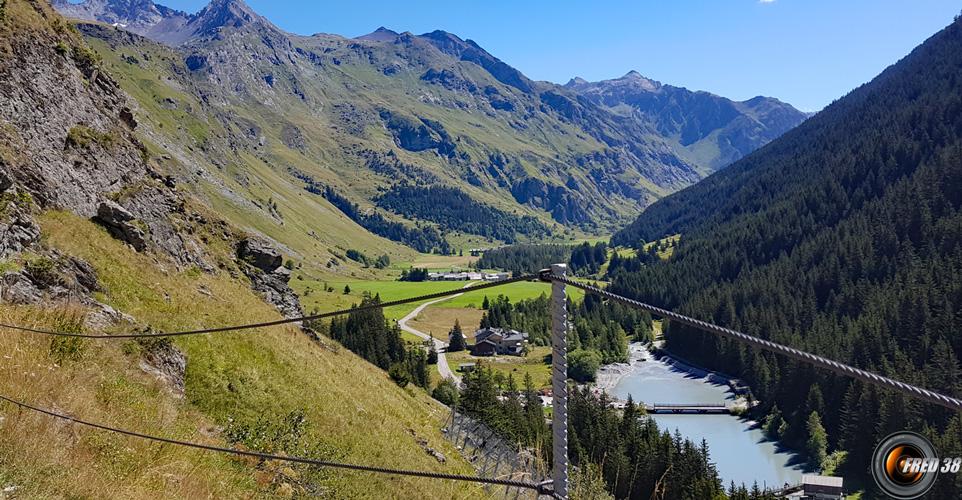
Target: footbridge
[688,408]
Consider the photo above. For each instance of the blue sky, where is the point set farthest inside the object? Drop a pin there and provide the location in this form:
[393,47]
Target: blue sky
[805,52]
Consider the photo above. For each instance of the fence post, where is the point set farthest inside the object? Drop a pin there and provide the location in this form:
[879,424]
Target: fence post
[559,381]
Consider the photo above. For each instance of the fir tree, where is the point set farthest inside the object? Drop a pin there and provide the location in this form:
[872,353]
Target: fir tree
[456,338]
[817,444]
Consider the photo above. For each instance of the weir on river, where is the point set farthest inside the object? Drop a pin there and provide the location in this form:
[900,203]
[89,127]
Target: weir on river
[688,408]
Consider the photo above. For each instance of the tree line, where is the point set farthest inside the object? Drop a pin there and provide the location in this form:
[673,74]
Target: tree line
[454,210]
[632,456]
[368,334]
[423,238]
[584,259]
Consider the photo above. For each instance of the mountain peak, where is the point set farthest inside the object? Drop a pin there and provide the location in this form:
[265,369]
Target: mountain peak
[227,13]
[161,23]
[381,34]
[576,81]
[443,36]
[135,15]
[637,78]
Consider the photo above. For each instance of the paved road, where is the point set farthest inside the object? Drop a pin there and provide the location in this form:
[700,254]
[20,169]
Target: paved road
[439,345]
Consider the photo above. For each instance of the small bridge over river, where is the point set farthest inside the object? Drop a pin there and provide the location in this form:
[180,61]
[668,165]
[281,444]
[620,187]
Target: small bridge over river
[688,408]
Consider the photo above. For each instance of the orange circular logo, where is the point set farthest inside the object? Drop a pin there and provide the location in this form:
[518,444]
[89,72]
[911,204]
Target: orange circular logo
[905,465]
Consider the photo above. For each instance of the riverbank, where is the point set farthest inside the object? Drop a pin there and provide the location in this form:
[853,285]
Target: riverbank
[609,376]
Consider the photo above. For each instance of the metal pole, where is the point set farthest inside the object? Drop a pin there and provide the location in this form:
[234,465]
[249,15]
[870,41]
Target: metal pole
[559,381]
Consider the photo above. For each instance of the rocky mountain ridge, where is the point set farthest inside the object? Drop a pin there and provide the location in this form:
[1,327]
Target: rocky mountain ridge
[694,121]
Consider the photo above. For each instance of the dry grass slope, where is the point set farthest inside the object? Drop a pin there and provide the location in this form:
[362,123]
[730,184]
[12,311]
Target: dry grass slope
[251,380]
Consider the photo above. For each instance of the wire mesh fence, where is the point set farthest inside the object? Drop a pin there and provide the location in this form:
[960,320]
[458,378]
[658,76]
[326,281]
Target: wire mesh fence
[493,457]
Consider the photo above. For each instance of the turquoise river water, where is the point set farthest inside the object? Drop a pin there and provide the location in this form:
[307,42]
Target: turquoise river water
[739,450]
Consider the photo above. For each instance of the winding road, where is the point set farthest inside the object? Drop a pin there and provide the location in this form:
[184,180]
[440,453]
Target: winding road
[439,345]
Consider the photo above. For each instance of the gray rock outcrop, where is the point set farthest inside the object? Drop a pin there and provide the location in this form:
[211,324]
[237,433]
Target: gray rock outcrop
[259,253]
[164,360]
[121,224]
[261,262]
[17,232]
[275,290]
[16,288]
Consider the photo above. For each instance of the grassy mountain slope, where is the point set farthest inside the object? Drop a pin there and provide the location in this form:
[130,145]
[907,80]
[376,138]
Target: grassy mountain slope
[233,381]
[361,115]
[841,238]
[274,389]
[240,185]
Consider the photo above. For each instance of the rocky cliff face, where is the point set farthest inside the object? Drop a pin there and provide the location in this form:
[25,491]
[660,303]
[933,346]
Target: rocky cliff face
[68,142]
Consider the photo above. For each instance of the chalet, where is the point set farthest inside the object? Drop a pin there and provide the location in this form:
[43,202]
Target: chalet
[491,341]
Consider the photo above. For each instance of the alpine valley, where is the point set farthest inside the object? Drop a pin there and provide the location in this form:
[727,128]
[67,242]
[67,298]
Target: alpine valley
[284,130]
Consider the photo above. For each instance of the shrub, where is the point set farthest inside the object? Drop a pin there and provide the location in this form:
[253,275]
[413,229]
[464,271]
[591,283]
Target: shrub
[357,256]
[84,57]
[7,266]
[582,365]
[42,270]
[446,392]
[81,136]
[399,374]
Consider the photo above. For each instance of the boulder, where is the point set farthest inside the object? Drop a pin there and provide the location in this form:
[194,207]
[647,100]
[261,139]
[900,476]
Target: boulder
[16,288]
[121,224]
[283,274]
[84,275]
[101,316]
[259,253]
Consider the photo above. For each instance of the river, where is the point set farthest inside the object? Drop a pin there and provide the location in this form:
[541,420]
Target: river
[740,452]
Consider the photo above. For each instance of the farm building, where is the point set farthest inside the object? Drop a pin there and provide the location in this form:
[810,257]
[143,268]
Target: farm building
[491,341]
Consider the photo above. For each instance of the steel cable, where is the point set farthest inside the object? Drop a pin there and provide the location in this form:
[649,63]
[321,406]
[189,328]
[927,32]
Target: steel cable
[797,354]
[285,321]
[541,488]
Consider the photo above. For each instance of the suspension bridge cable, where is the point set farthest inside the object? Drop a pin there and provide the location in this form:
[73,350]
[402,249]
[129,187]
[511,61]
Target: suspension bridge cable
[797,354]
[285,321]
[541,488]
